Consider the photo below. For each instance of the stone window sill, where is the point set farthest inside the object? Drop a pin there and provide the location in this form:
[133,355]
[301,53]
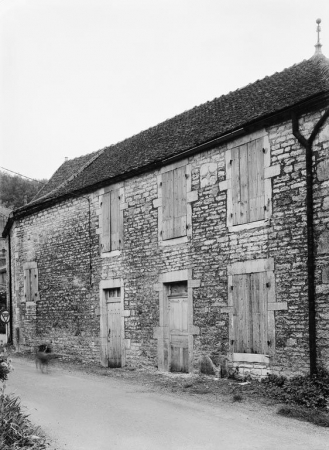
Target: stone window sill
[250,225]
[175,241]
[111,254]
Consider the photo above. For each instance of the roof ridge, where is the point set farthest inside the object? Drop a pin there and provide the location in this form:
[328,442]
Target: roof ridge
[322,64]
[183,113]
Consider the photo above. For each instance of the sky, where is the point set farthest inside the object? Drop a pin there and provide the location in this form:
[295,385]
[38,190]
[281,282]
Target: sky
[79,75]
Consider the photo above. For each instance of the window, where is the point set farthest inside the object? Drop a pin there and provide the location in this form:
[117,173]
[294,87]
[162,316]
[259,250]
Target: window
[113,293]
[31,293]
[112,232]
[248,182]
[174,203]
[174,200]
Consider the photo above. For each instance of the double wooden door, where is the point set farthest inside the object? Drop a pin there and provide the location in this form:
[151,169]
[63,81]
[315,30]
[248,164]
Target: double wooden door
[113,301]
[250,321]
[178,333]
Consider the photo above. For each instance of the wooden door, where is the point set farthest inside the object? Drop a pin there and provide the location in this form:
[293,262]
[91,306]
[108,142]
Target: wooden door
[250,313]
[113,300]
[178,331]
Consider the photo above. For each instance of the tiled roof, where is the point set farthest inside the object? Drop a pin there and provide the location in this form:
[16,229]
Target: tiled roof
[203,123]
[64,174]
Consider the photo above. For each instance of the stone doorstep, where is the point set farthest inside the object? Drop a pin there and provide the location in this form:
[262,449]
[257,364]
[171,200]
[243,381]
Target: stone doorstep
[250,366]
[255,373]
[252,358]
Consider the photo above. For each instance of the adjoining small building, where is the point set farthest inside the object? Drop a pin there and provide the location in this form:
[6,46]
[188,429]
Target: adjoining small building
[4,215]
[207,234]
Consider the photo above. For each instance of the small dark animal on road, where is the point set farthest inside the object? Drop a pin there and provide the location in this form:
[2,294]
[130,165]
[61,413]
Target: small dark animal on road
[43,356]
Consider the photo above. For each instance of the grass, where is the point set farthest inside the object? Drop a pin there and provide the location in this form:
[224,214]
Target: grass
[309,415]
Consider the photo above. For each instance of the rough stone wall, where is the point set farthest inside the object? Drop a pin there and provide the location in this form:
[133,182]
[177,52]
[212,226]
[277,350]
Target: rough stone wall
[63,243]
[60,241]
[321,222]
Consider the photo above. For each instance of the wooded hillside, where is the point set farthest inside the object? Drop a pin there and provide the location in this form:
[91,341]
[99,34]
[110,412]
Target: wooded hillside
[14,190]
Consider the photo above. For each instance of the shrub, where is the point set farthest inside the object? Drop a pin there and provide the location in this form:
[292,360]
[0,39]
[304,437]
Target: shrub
[16,431]
[5,368]
[310,392]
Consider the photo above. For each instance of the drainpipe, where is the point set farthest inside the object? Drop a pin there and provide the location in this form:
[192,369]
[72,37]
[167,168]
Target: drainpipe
[307,144]
[10,341]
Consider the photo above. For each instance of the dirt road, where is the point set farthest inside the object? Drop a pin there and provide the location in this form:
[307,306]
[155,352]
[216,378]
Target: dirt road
[89,412]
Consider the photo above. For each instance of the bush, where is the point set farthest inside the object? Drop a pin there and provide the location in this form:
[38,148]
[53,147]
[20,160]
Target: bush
[310,392]
[5,368]
[16,431]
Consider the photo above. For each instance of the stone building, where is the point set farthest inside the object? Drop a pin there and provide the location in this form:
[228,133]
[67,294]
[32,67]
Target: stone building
[207,234]
[4,214]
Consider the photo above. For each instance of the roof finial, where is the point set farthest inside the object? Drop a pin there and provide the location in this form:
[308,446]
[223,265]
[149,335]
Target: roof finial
[318,45]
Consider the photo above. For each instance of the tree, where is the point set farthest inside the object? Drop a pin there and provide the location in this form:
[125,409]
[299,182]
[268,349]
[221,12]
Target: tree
[15,191]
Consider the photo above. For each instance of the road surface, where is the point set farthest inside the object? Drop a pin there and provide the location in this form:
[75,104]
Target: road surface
[80,411]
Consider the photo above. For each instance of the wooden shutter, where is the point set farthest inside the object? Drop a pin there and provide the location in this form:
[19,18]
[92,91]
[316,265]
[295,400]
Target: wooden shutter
[174,203]
[112,227]
[256,180]
[31,290]
[179,202]
[250,321]
[115,220]
[106,223]
[248,182]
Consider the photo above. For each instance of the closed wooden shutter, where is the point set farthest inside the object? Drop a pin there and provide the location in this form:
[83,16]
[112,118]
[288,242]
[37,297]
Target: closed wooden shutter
[256,180]
[31,290]
[115,219]
[112,227]
[250,322]
[174,203]
[106,223]
[248,182]
[236,195]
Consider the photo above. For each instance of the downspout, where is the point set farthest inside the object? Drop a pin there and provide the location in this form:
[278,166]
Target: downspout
[10,293]
[307,144]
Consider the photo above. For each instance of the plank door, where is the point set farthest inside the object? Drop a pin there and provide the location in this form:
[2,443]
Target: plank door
[113,300]
[250,325]
[178,334]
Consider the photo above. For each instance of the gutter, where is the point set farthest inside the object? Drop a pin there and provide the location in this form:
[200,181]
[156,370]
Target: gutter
[307,144]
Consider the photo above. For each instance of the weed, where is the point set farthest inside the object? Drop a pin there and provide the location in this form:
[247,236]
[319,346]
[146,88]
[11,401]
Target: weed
[237,398]
[310,415]
[309,392]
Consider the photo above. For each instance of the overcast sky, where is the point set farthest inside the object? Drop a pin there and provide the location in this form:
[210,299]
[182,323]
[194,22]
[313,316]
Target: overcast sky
[79,75]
